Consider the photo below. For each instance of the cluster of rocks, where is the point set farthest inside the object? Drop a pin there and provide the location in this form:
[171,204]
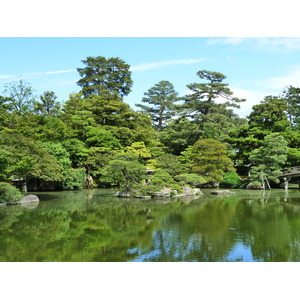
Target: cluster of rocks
[221,192]
[164,193]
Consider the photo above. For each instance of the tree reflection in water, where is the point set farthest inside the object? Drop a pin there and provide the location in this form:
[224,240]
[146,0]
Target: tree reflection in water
[95,226]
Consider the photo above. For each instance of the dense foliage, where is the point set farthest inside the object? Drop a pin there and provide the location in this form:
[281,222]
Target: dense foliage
[9,193]
[96,139]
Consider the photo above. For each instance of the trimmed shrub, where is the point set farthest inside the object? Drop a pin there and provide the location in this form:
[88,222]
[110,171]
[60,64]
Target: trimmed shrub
[9,193]
[162,178]
[231,180]
[191,179]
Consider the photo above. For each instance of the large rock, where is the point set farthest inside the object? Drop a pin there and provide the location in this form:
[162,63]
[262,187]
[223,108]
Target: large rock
[188,191]
[30,205]
[123,194]
[254,186]
[221,192]
[29,199]
[143,196]
[161,194]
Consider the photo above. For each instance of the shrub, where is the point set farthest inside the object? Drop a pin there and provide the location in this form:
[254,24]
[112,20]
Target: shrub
[74,179]
[162,178]
[9,193]
[231,180]
[148,190]
[191,179]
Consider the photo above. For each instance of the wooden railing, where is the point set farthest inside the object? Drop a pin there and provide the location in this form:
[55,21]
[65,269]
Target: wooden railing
[290,171]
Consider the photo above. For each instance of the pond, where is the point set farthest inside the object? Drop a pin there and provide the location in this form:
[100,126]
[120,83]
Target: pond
[94,226]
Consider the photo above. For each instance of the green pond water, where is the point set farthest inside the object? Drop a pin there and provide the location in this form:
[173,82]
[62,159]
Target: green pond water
[94,226]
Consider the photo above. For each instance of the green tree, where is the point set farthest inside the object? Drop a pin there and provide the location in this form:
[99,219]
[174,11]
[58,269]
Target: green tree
[265,118]
[5,107]
[99,137]
[208,158]
[27,159]
[20,95]
[191,179]
[171,164]
[178,135]
[77,150]
[269,159]
[9,193]
[102,74]
[125,171]
[116,116]
[291,96]
[48,105]
[162,98]
[72,178]
[269,116]
[231,180]
[139,149]
[202,99]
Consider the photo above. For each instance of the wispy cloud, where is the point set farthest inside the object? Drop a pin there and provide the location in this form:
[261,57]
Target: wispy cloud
[6,76]
[49,72]
[160,64]
[292,77]
[262,43]
[252,98]
[36,74]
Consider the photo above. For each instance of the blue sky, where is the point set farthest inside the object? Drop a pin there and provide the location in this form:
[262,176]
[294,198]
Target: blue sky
[255,67]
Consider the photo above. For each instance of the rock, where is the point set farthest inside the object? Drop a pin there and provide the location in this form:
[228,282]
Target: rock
[221,192]
[198,191]
[123,194]
[143,196]
[254,186]
[186,190]
[30,205]
[29,199]
[161,194]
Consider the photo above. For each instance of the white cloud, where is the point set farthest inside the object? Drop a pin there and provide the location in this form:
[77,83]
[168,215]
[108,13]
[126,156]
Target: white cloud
[252,98]
[58,72]
[156,65]
[25,75]
[6,76]
[282,43]
[279,82]
[48,72]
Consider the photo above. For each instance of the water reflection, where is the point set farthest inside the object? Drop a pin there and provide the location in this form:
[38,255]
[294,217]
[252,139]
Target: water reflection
[92,225]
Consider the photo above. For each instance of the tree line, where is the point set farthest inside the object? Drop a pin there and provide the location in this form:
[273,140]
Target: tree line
[95,139]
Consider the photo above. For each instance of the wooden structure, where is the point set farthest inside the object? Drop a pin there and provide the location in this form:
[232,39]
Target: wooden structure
[288,174]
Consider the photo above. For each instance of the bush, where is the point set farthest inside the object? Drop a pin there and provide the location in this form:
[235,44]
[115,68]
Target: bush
[9,193]
[231,180]
[162,178]
[74,179]
[148,190]
[191,179]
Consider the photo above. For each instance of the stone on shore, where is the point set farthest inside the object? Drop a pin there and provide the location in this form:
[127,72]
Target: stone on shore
[29,199]
[123,194]
[222,192]
[188,191]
